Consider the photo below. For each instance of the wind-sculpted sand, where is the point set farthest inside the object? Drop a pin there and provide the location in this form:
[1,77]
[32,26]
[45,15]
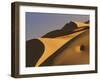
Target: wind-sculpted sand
[66,48]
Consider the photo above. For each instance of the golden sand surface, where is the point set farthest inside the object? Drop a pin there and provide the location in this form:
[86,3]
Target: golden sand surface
[80,24]
[76,53]
[53,44]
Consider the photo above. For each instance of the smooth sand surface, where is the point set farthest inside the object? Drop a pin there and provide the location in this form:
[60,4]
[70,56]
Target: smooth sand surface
[53,44]
[77,52]
[80,24]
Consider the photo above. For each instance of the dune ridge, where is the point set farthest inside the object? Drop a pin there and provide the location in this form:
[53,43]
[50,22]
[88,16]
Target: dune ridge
[52,45]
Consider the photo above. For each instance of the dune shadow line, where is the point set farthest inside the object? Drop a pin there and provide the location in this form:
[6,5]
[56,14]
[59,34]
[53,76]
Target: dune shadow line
[49,61]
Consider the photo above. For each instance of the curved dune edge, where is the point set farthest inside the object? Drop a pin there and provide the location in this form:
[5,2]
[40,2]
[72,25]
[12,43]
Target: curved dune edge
[76,53]
[80,24]
[53,44]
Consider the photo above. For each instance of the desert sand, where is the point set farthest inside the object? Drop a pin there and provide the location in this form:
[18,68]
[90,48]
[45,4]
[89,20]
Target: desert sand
[53,44]
[66,46]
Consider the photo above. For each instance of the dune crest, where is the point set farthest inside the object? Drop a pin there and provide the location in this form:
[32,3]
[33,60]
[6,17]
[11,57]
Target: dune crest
[53,44]
[81,24]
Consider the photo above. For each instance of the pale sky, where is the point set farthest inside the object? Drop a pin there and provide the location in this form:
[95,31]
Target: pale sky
[38,24]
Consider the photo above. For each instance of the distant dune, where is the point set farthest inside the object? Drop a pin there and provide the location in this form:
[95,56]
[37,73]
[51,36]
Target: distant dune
[67,29]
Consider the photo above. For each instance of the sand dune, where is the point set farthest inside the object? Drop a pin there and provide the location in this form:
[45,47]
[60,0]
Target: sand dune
[67,29]
[54,41]
[81,24]
[53,44]
[76,52]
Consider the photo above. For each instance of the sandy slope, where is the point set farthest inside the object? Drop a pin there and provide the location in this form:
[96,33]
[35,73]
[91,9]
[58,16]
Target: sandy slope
[80,24]
[51,45]
[76,53]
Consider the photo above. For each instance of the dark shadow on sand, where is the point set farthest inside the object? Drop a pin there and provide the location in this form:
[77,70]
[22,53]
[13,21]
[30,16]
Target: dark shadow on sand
[34,50]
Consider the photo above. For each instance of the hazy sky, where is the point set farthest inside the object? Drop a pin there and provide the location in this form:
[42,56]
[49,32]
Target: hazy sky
[38,24]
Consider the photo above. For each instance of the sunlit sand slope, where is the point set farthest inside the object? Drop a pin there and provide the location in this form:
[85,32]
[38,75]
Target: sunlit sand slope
[77,52]
[80,24]
[53,44]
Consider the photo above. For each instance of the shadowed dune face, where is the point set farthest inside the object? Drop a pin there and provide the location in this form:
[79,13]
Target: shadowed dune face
[34,50]
[68,28]
[87,22]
